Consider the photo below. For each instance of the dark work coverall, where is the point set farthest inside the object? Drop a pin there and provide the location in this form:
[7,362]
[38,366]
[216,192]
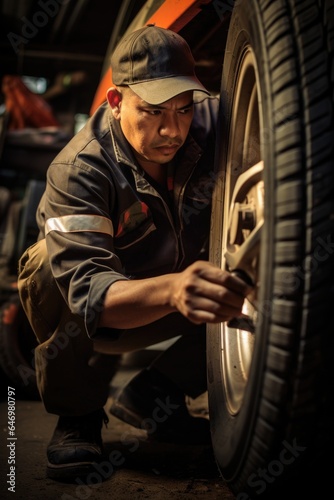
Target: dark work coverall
[103,219]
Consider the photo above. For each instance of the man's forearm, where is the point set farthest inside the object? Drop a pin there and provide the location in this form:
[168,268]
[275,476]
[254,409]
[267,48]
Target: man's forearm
[203,293]
[135,303]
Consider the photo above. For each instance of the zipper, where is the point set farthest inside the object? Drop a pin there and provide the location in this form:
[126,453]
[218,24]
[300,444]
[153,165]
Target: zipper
[180,205]
[141,184]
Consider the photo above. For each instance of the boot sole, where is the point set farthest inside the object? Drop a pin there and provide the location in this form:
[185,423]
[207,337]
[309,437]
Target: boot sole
[69,472]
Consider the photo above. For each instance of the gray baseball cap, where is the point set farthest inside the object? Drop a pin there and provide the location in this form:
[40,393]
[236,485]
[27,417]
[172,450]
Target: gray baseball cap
[156,63]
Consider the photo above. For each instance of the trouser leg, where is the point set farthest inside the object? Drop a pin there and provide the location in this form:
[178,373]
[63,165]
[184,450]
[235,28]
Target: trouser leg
[184,362]
[69,379]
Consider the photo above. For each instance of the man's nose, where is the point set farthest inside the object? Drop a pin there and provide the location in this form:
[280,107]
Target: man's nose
[170,126]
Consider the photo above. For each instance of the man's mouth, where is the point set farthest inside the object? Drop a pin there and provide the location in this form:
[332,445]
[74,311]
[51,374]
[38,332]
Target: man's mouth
[167,149]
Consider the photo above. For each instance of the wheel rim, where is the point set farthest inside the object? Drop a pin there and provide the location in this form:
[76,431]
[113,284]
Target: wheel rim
[242,226]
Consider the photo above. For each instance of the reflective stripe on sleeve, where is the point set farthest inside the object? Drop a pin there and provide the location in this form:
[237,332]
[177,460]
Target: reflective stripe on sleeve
[77,223]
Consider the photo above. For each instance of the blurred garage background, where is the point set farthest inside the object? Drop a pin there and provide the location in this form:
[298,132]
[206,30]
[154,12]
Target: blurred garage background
[59,47]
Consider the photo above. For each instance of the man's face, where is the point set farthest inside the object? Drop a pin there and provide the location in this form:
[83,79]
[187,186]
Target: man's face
[155,132]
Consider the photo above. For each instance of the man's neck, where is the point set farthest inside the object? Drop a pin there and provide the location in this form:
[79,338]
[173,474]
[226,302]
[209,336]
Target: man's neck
[156,171]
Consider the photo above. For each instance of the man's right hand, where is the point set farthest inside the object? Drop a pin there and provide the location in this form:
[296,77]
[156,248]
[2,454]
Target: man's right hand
[204,293]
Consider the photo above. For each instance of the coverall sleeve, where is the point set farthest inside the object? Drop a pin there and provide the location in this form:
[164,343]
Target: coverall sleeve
[78,201]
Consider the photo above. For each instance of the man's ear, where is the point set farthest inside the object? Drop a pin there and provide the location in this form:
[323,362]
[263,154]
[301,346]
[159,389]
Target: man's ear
[114,98]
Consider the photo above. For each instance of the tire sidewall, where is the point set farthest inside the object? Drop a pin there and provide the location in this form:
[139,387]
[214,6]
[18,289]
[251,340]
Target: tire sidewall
[232,434]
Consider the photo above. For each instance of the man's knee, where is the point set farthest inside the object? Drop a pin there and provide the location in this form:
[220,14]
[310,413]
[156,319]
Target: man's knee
[38,291]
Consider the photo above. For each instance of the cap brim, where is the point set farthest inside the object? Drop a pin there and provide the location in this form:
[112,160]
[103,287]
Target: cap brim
[159,91]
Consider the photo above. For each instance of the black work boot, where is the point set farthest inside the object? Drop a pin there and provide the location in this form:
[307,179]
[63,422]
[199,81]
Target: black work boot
[75,446]
[154,403]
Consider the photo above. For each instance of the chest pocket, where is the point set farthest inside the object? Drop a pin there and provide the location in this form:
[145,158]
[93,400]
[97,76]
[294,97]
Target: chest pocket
[134,225]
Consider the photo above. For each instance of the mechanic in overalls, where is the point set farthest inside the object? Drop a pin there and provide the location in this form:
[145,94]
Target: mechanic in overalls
[121,262]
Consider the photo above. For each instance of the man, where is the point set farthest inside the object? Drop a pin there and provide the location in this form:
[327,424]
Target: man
[121,262]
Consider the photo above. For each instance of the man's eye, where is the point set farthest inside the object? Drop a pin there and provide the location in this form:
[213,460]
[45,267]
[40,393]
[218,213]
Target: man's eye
[154,112]
[185,111]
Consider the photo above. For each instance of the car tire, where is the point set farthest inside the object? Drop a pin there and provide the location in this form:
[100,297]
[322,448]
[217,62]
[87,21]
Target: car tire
[270,378]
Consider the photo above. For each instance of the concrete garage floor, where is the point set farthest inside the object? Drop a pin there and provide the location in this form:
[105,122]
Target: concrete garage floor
[142,470]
